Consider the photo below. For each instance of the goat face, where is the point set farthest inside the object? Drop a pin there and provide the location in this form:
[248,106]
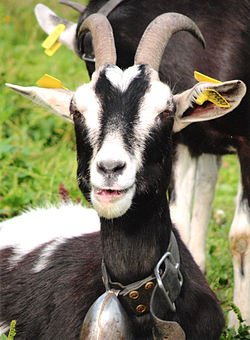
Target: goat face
[124,119]
[119,117]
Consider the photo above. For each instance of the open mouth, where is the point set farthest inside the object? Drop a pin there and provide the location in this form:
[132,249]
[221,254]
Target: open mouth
[109,192]
[109,195]
[112,202]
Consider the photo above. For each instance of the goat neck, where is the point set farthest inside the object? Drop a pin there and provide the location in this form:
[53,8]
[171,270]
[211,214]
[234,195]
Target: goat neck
[134,243]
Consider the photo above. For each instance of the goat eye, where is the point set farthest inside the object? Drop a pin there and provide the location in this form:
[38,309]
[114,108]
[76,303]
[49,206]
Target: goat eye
[166,114]
[76,114]
[169,112]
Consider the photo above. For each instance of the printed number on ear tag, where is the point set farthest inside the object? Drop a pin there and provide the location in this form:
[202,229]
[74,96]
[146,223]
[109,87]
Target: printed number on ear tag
[48,81]
[51,43]
[214,97]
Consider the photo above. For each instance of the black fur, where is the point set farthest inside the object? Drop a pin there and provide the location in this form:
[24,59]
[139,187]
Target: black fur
[120,108]
[51,304]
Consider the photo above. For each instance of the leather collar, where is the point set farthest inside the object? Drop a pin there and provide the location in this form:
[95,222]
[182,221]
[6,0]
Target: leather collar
[150,294]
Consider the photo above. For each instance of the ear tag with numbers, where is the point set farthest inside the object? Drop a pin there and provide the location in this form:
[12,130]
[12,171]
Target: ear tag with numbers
[51,43]
[210,95]
[214,97]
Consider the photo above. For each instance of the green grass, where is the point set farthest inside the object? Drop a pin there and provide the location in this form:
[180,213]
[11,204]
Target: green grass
[37,149]
[219,265]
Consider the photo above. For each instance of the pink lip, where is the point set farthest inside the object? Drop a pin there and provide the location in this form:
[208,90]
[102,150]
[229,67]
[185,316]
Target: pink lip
[108,195]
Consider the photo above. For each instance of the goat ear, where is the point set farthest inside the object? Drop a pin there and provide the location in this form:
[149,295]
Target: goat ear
[188,111]
[58,100]
[48,20]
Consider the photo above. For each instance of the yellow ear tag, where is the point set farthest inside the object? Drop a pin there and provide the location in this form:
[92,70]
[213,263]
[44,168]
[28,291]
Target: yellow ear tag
[214,97]
[51,43]
[202,77]
[50,82]
[210,95]
[52,50]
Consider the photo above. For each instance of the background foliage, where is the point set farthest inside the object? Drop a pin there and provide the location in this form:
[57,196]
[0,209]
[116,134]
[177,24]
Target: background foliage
[37,149]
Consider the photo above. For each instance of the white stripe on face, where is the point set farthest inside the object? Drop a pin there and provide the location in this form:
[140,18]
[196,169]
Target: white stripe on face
[88,105]
[157,100]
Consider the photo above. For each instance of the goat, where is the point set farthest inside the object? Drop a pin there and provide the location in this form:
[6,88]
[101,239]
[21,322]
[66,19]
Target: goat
[199,146]
[123,125]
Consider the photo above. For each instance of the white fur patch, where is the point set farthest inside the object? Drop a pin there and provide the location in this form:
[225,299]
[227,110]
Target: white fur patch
[241,220]
[38,226]
[115,209]
[45,254]
[184,170]
[156,100]
[239,237]
[88,104]
[121,79]
[113,150]
[194,185]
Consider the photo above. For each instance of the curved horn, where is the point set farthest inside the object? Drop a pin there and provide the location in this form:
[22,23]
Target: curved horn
[103,39]
[156,36]
[78,7]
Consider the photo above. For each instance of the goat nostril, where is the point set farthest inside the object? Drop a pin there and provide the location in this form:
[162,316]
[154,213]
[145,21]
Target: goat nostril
[101,167]
[119,167]
[110,166]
